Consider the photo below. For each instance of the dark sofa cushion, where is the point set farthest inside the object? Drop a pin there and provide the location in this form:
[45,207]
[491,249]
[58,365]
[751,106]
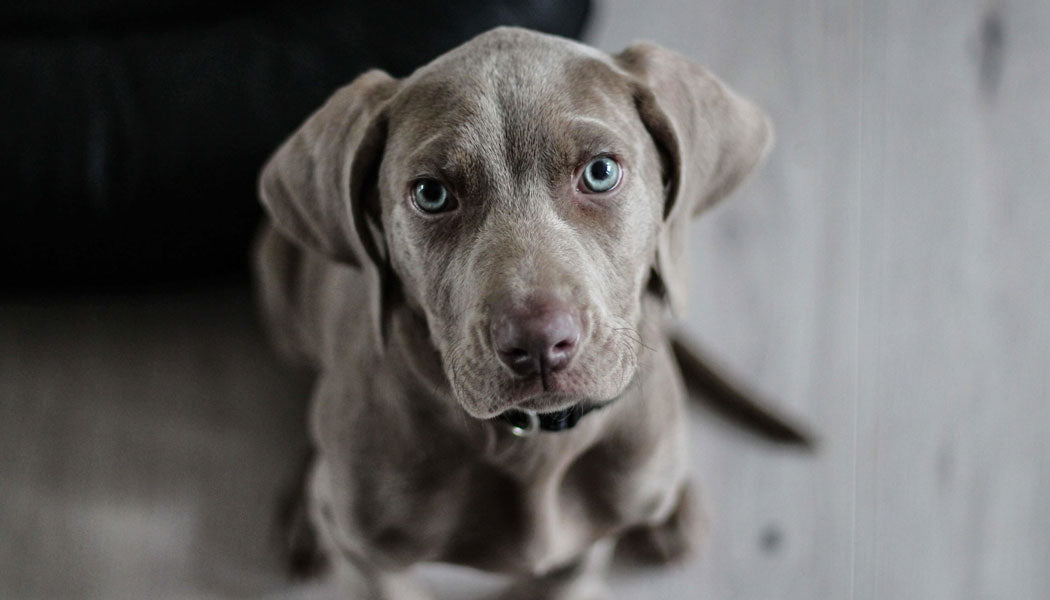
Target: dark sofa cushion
[132,136]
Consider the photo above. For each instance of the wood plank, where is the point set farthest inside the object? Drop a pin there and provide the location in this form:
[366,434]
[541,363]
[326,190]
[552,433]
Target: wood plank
[775,293]
[884,273]
[955,258]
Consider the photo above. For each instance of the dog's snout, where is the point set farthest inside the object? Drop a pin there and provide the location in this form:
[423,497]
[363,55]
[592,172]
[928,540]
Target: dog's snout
[537,340]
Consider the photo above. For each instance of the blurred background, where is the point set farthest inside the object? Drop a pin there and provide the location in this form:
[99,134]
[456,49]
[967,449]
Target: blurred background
[885,276]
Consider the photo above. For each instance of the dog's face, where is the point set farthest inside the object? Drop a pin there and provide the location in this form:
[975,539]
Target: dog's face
[524,192]
[522,197]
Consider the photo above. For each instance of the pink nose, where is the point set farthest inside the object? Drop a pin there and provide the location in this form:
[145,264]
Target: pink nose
[540,339]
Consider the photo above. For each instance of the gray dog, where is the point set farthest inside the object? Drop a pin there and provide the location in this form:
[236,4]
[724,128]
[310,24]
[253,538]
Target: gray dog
[477,260]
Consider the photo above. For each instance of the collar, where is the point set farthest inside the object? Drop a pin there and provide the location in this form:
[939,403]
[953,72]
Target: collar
[525,423]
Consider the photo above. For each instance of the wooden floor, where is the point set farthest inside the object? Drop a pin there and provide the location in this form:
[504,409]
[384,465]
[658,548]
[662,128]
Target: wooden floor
[886,276]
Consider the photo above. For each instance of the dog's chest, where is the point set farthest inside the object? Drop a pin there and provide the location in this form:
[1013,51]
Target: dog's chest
[526,511]
[535,524]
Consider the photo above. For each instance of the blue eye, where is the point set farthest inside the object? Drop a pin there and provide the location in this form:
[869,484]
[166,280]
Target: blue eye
[601,174]
[431,196]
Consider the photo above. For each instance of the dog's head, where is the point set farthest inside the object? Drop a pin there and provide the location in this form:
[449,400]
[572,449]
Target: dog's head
[521,193]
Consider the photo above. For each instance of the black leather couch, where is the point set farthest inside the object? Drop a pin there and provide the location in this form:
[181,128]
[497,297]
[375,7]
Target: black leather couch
[131,133]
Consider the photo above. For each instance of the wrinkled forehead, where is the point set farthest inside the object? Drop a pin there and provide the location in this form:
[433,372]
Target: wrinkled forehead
[530,102]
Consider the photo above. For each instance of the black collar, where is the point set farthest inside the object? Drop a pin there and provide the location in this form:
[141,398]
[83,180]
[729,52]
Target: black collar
[524,423]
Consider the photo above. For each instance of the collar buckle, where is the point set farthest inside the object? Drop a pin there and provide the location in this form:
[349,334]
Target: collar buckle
[524,423]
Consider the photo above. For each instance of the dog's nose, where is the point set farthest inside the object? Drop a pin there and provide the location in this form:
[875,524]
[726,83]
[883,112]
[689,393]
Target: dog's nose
[539,340]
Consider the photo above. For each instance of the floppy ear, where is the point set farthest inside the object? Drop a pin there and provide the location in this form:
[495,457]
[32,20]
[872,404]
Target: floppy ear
[319,188]
[710,139]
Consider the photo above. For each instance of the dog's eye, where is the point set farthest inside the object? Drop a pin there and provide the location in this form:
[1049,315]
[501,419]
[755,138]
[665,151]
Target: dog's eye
[600,175]
[431,196]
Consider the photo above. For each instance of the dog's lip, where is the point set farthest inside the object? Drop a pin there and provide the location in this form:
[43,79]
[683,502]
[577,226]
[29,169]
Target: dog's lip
[543,403]
[531,394]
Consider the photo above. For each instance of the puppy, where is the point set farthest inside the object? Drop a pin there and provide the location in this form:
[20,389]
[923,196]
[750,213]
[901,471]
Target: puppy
[477,260]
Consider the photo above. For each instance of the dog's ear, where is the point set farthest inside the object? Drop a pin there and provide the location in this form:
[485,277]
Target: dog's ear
[320,190]
[709,137]
[315,186]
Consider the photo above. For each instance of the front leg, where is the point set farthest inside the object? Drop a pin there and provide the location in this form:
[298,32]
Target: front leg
[672,540]
[584,579]
[359,577]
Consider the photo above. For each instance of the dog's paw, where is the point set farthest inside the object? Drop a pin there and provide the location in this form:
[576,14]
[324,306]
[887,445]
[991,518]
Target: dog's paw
[671,541]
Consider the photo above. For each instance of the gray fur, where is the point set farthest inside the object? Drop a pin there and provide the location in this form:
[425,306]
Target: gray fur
[392,307]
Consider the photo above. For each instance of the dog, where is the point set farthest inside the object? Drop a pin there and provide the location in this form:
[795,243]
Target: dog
[478,261]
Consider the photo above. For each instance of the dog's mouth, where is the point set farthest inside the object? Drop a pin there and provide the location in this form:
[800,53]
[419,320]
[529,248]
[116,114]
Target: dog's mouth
[487,391]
